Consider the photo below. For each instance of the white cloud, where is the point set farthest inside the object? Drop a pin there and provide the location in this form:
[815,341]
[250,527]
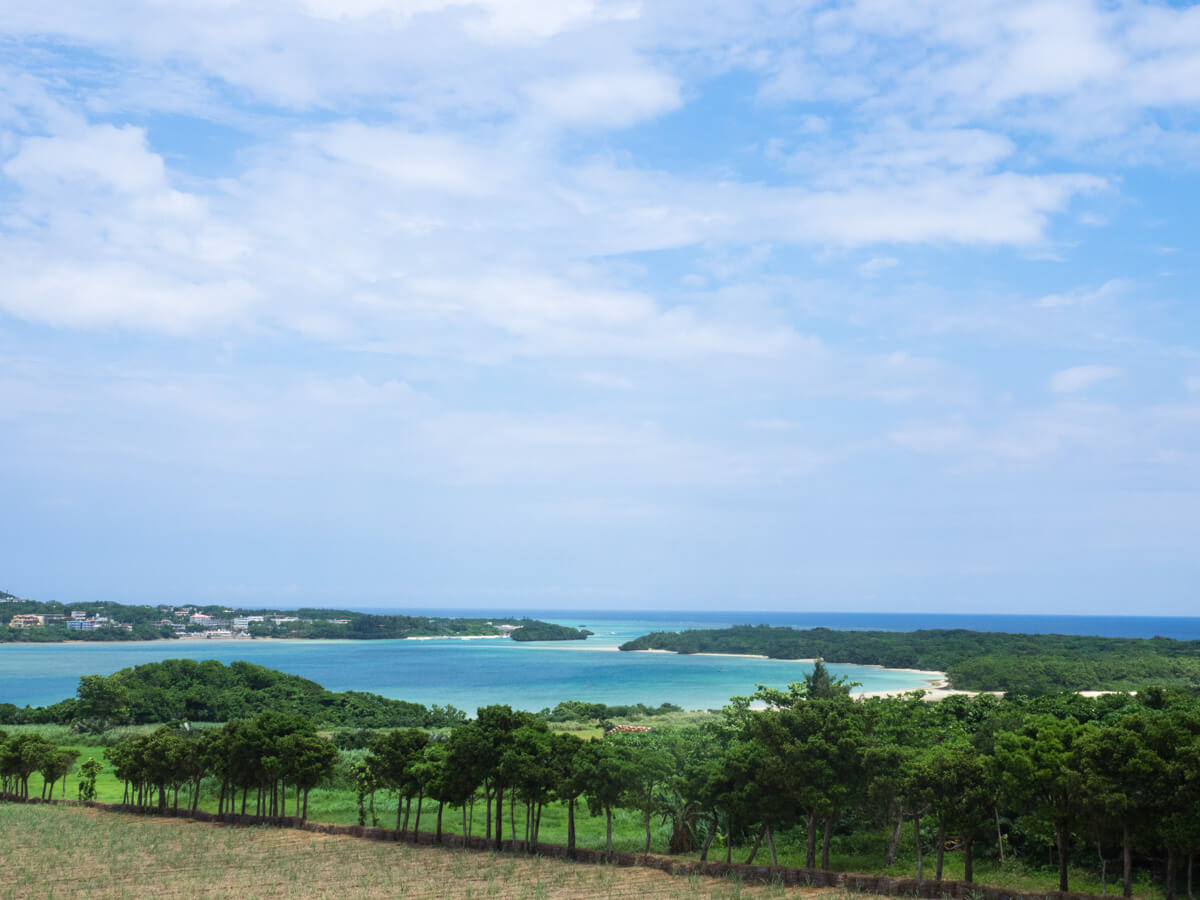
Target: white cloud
[99,237]
[105,294]
[874,266]
[1087,296]
[1080,378]
[401,160]
[607,99]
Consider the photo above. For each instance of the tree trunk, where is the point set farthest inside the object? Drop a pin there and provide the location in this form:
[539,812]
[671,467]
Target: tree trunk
[890,859]
[537,828]
[608,834]
[1060,829]
[1103,867]
[810,850]
[304,812]
[499,817]
[1169,878]
[1191,896]
[941,841]
[825,842]
[771,846]
[466,835]
[417,824]
[407,813]
[999,836]
[439,821]
[487,793]
[728,840]
[646,848]
[757,843]
[571,828]
[1126,862]
[712,833]
[968,860]
[917,837]
[399,815]
[512,817]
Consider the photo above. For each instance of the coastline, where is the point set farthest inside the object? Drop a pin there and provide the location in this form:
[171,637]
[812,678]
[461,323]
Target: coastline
[938,682]
[224,639]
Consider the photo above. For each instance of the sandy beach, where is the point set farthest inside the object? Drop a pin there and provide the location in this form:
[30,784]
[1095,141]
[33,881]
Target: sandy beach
[937,689]
[733,655]
[455,637]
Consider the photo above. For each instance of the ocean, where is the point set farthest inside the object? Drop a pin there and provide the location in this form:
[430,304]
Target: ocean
[531,676]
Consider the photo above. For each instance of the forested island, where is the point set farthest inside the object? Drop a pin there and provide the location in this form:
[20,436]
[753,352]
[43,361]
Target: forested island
[1029,664]
[31,621]
[1034,792]
[546,631]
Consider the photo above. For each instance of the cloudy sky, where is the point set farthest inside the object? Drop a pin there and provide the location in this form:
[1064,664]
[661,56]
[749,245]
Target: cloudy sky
[874,305]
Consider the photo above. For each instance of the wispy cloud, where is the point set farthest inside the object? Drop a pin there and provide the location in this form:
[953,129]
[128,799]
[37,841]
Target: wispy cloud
[1080,378]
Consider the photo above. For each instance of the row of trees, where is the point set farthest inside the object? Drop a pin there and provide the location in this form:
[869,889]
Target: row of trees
[264,758]
[26,754]
[500,756]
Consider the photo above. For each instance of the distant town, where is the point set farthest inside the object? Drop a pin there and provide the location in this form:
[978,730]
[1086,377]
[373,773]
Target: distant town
[30,621]
[185,622]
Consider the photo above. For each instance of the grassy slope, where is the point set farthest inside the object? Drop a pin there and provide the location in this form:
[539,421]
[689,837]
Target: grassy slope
[68,852]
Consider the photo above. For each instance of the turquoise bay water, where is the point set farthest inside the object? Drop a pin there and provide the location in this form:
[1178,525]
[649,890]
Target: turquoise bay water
[466,674]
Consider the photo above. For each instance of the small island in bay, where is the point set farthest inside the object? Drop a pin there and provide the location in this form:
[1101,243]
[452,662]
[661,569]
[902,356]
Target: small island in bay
[546,631]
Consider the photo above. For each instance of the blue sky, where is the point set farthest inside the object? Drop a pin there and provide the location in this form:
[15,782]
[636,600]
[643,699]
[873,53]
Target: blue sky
[859,306]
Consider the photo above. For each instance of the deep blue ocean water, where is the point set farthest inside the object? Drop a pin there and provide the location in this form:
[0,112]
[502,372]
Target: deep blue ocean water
[468,674]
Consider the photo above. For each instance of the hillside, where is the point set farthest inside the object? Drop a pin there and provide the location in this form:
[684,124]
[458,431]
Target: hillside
[61,851]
